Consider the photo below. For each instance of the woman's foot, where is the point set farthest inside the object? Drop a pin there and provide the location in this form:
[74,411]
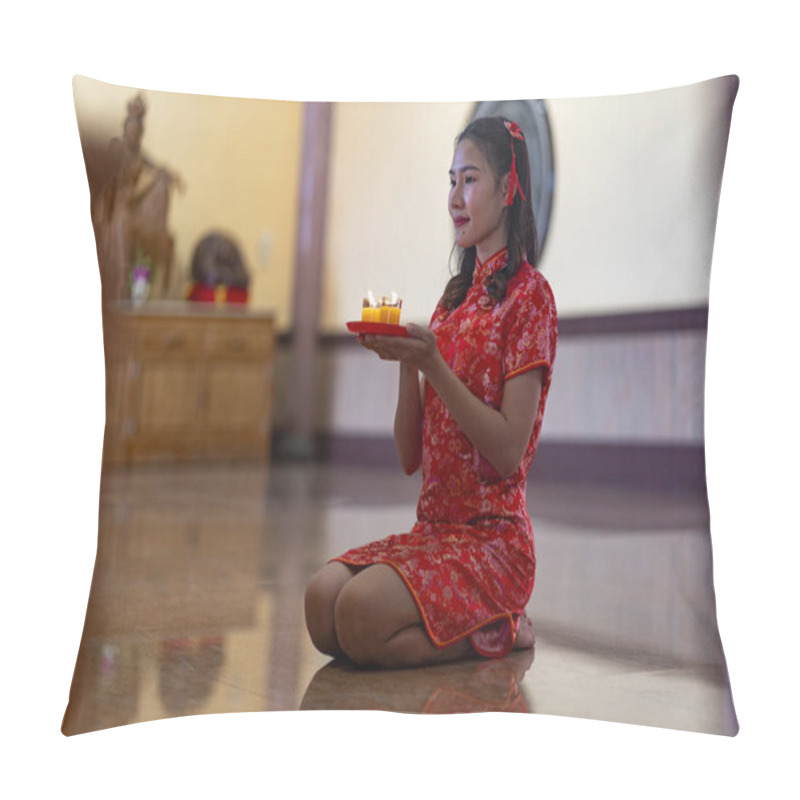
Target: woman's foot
[525,638]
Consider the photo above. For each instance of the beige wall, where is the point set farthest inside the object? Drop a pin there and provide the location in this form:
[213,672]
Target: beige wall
[388,224]
[240,160]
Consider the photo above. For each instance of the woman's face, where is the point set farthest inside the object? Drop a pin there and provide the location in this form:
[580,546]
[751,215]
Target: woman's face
[477,202]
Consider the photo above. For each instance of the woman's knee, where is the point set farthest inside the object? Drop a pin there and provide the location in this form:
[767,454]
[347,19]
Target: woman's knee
[354,622]
[369,610]
[320,600]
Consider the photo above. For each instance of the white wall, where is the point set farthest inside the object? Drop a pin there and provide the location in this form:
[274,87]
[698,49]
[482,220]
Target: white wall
[637,189]
[637,183]
[645,388]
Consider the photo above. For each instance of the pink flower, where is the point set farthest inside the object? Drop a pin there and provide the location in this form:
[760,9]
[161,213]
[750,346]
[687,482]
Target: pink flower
[514,130]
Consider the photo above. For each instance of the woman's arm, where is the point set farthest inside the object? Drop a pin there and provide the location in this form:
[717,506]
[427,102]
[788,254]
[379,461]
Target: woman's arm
[408,420]
[500,436]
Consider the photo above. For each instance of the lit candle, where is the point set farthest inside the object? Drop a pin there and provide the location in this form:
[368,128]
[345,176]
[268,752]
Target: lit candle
[369,309]
[390,309]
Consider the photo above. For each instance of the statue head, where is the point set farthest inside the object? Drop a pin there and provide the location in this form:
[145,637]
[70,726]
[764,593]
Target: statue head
[134,123]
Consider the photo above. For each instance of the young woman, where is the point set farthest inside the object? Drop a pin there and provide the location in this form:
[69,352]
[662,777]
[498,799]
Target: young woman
[471,400]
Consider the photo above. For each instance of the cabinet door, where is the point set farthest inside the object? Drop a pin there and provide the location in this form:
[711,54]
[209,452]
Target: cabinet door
[238,398]
[171,398]
[192,386]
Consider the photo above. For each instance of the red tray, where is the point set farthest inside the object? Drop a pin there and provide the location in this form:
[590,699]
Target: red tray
[377,328]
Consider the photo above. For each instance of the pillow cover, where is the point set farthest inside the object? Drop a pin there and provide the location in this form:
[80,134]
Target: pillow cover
[208,534]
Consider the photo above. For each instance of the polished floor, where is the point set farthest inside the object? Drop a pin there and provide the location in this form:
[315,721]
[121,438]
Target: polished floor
[196,605]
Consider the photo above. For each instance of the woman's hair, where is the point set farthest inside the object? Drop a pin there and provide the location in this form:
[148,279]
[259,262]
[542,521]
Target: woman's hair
[491,136]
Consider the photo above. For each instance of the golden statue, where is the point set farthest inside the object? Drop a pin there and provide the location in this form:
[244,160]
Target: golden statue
[130,217]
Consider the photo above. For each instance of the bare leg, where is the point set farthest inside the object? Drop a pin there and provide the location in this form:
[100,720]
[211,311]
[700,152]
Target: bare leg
[377,623]
[320,601]
[371,617]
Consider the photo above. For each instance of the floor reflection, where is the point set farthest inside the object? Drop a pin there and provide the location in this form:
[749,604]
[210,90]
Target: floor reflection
[455,688]
[196,604]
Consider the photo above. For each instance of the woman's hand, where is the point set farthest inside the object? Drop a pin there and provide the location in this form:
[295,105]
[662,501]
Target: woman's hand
[416,353]
[500,435]
[418,349]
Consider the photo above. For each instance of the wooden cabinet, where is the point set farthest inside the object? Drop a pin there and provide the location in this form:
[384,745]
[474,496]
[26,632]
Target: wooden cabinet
[185,381]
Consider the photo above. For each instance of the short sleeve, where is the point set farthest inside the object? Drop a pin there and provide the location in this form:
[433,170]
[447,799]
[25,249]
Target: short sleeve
[532,330]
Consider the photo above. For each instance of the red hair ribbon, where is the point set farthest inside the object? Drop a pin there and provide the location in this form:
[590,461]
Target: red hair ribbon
[514,185]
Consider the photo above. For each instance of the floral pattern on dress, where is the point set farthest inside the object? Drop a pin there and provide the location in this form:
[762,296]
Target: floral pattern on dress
[469,560]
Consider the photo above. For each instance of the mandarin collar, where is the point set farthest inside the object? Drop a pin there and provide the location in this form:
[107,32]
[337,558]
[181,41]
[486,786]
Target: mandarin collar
[490,266]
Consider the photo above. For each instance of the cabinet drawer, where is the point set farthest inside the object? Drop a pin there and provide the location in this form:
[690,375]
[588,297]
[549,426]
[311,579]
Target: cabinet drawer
[170,338]
[240,339]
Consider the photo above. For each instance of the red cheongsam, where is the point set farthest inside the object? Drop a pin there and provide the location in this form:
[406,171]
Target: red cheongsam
[469,559]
